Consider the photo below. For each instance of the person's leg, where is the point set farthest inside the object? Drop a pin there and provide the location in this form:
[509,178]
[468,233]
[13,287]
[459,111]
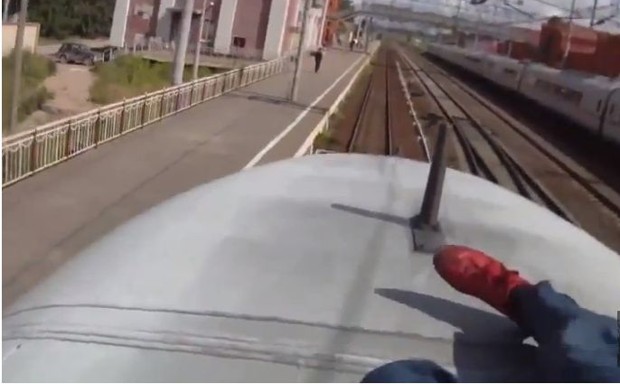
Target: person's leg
[409,371]
[574,343]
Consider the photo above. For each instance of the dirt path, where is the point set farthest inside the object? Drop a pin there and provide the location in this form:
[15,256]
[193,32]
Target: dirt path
[70,87]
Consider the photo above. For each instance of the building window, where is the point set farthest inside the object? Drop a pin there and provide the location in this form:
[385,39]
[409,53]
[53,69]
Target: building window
[238,41]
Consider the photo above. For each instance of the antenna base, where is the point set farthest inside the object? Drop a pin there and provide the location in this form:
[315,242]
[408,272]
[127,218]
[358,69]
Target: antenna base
[426,238]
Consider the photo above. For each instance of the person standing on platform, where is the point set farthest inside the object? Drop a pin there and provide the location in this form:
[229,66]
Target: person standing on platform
[352,43]
[318,57]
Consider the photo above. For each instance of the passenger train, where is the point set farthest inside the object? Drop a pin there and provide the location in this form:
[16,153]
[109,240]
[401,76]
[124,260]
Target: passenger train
[592,101]
[301,270]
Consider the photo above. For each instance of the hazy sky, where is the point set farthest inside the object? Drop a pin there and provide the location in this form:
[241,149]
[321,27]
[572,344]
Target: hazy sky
[498,10]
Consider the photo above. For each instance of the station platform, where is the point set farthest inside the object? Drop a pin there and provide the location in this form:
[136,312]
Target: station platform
[51,216]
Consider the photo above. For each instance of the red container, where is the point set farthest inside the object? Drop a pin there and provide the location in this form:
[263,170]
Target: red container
[557,37]
[519,50]
[525,35]
[607,56]
[584,62]
[523,51]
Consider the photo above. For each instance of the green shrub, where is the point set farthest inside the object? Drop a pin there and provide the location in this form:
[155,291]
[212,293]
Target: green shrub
[33,95]
[130,76]
[324,140]
[33,102]
[35,68]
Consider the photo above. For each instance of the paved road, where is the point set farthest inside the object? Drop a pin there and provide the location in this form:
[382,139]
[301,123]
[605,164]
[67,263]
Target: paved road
[51,216]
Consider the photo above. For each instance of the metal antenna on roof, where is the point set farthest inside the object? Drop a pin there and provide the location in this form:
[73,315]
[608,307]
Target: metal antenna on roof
[434,185]
[426,232]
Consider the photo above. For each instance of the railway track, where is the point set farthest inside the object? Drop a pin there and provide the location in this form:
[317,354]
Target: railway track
[372,130]
[485,155]
[497,147]
[383,123]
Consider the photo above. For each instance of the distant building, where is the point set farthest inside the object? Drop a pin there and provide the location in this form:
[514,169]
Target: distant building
[9,33]
[331,26]
[260,29]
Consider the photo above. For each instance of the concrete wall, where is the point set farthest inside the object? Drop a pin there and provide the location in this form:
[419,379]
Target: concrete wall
[275,29]
[330,27]
[139,18]
[313,31]
[211,18]
[155,17]
[164,20]
[323,25]
[265,24]
[223,34]
[251,21]
[119,23]
[292,27]
[9,33]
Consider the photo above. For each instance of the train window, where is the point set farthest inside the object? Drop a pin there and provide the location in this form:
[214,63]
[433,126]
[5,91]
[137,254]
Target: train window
[567,94]
[544,85]
[611,109]
[510,72]
[598,105]
[571,95]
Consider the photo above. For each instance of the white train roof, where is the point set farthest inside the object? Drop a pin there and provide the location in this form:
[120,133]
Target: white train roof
[302,270]
[575,78]
[569,77]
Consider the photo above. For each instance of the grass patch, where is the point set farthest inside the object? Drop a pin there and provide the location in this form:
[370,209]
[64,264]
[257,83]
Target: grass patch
[324,140]
[33,95]
[327,139]
[130,76]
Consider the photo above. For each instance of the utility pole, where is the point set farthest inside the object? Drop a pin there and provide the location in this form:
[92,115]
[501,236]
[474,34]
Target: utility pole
[300,50]
[17,69]
[593,16]
[181,44]
[367,32]
[456,17]
[570,33]
[321,36]
[199,39]
[5,14]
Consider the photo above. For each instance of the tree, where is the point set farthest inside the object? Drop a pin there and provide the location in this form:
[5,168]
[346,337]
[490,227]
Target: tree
[346,5]
[62,18]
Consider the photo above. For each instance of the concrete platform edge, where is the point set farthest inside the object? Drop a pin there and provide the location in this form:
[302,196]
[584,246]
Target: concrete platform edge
[306,147]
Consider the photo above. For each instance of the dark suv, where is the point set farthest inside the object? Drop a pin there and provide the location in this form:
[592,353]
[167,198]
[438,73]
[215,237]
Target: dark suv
[78,53]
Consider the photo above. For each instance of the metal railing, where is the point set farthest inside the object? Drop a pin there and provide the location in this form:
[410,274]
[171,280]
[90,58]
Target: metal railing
[26,153]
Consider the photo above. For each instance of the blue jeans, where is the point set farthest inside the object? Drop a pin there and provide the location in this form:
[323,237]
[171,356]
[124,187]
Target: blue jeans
[574,344]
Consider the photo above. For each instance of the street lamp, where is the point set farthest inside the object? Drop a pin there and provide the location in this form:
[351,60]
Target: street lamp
[17,69]
[205,4]
[5,14]
[298,61]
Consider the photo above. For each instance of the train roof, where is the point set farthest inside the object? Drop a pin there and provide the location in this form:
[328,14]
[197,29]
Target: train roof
[302,270]
[576,78]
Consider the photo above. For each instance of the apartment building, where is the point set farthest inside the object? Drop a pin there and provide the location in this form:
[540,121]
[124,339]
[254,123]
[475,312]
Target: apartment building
[260,29]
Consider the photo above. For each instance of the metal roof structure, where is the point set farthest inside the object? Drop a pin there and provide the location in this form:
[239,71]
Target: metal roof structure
[301,270]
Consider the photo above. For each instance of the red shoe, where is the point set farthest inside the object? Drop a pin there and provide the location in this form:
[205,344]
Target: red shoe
[474,273]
